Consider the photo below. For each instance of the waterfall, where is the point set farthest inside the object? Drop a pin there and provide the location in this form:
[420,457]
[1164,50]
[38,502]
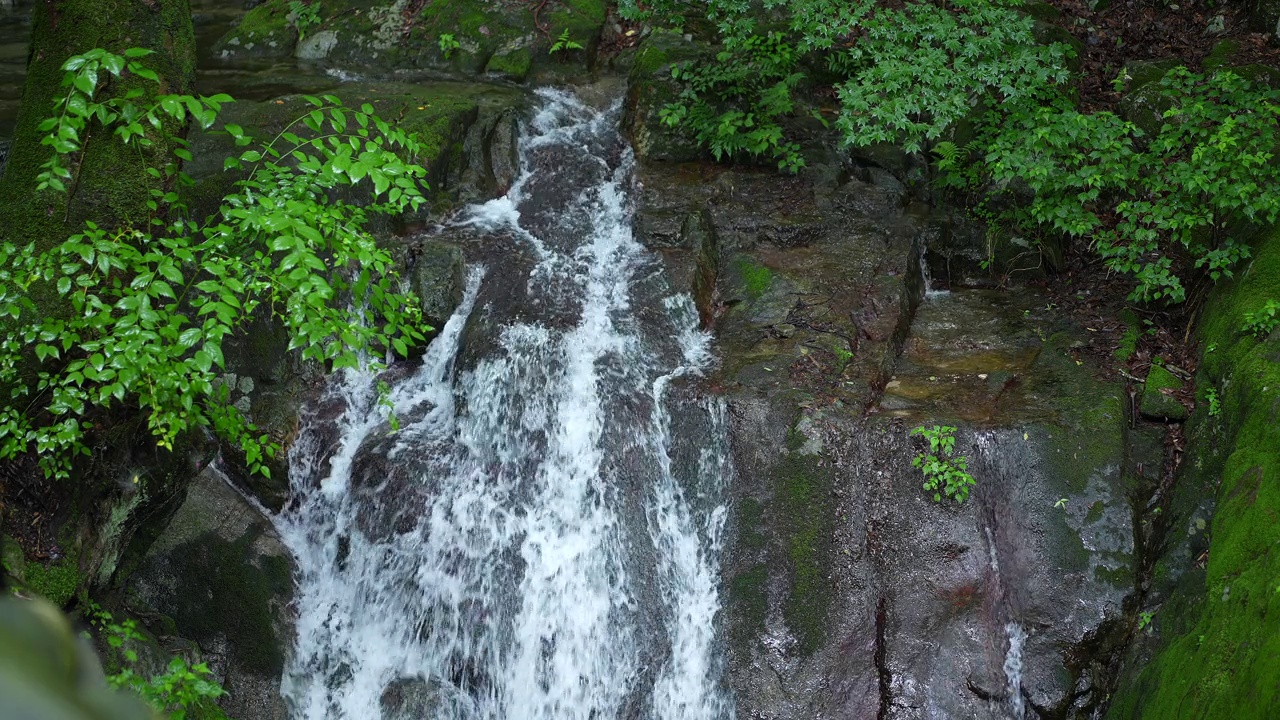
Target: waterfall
[1013,668]
[540,537]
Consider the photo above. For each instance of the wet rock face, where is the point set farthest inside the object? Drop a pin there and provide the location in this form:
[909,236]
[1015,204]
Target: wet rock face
[220,576]
[849,592]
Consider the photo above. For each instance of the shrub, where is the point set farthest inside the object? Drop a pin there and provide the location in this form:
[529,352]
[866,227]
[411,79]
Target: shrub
[1261,322]
[150,305]
[182,690]
[732,106]
[1144,202]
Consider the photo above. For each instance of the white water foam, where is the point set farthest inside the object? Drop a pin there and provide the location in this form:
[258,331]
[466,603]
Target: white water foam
[538,541]
[1013,668]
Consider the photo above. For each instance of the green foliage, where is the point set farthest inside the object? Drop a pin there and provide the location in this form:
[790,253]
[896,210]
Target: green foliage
[564,42]
[1259,323]
[1215,403]
[448,44]
[182,690]
[906,74]
[304,15]
[1148,204]
[151,305]
[944,472]
[914,72]
[732,106]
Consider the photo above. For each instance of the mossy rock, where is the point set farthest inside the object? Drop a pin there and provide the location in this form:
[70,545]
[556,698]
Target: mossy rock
[267,32]
[652,88]
[12,558]
[383,38]
[1144,104]
[1157,404]
[1046,33]
[1263,16]
[804,484]
[222,577]
[1129,340]
[1220,658]
[438,279]
[1221,54]
[510,64]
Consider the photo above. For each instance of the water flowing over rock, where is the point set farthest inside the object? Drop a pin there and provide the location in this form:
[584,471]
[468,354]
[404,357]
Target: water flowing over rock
[850,592]
[540,538]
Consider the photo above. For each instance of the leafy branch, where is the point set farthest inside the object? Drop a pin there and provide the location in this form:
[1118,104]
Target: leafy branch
[151,306]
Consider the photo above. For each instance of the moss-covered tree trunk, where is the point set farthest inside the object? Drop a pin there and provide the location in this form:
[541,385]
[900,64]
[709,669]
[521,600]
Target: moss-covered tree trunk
[111,184]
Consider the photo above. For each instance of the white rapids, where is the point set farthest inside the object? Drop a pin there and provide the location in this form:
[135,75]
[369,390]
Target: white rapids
[540,539]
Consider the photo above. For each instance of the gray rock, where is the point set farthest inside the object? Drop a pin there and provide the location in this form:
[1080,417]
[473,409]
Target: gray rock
[1264,16]
[437,277]
[317,46]
[223,578]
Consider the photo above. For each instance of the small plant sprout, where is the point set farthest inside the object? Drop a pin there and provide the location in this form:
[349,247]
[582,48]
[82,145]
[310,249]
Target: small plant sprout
[1062,503]
[564,42]
[843,356]
[1144,620]
[944,472]
[1215,404]
[448,45]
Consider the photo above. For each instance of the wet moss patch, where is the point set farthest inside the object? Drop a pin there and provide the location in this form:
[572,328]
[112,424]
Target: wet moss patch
[57,583]
[749,594]
[804,486]
[756,278]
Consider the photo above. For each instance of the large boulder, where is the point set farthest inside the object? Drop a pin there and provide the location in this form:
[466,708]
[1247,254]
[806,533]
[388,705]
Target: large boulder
[219,575]
[849,591]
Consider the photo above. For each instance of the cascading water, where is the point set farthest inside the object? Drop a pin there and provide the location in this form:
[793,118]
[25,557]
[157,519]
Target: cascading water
[1013,668]
[540,538]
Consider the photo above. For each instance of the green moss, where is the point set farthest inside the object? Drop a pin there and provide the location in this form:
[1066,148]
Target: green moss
[748,594]
[583,19]
[111,186]
[514,64]
[12,559]
[803,487]
[1221,54]
[267,21]
[57,583]
[1155,403]
[756,278]
[221,593]
[1227,662]
[1129,340]
[649,61]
